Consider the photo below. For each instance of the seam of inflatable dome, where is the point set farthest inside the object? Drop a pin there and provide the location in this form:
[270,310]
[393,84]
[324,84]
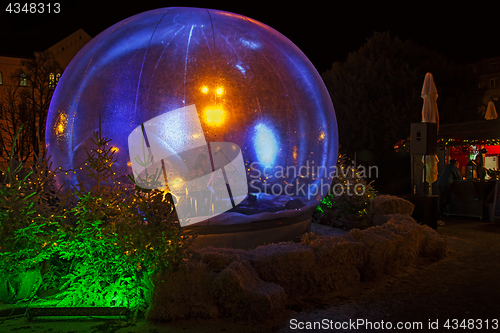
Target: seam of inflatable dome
[144,59]
[213,42]
[78,94]
[160,57]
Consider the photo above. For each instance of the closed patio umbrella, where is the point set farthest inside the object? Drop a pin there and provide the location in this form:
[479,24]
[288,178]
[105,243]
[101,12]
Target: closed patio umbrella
[430,114]
[491,112]
[429,93]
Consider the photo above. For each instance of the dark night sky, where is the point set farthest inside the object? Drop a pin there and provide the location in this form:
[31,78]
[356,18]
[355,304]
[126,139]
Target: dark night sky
[324,34]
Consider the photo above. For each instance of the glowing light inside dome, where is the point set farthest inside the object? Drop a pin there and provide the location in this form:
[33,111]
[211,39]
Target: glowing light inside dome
[177,181]
[265,144]
[61,124]
[250,44]
[241,69]
[321,136]
[214,115]
[219,91]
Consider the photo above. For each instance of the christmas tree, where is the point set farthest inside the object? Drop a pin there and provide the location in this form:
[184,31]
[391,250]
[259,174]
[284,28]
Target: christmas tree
[349,193]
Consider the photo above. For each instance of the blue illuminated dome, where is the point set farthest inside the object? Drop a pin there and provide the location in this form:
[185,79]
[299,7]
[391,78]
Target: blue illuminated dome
[250,85]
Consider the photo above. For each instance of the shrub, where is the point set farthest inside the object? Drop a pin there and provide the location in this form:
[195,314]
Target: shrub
[98,245]
[27,224]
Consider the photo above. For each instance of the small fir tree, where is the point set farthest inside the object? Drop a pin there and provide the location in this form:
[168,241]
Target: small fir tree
[349,192]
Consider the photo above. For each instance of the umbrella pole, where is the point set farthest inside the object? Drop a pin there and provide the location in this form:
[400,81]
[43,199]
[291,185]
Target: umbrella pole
[413,186]
[425,176]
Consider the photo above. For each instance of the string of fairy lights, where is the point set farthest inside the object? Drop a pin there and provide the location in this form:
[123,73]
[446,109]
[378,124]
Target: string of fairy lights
[75,170]
[55,172]
[404,145]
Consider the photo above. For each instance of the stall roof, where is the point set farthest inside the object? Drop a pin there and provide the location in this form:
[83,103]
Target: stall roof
[458,134]
[472,130]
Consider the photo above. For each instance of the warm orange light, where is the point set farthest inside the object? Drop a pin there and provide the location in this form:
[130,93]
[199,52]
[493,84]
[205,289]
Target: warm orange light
[214,115]
[177,181]
[219,91]
[61,124]
[321,136]
[115,149]
[204,89]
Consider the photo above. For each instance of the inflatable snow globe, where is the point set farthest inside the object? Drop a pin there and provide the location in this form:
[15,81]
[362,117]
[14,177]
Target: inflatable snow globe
[230,114]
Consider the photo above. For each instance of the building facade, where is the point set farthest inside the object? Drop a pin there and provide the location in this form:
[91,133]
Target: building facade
[488,71]
[63,52]
[13,78]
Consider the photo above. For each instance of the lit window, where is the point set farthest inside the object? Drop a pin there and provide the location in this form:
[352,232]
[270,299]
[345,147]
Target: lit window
[23,80]
[1,78]
[52,80]
[58,76]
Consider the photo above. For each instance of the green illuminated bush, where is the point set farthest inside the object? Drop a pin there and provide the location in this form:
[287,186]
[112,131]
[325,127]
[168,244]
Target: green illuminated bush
[92,271]
[27,223]
[98,246]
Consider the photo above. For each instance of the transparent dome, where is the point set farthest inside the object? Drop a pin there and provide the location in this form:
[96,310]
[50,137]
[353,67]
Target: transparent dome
[252,89]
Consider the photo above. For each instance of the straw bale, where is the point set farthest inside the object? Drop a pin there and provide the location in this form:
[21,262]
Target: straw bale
[290,265]
[338,260]
[384,252]
[383,205]
[338,249]
[309,237]
[411,232]
[401,224]
[242,295]
[183,294]
[219,258]
[257,285]
[433,245]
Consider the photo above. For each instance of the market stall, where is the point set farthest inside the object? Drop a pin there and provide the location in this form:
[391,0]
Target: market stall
[476,146]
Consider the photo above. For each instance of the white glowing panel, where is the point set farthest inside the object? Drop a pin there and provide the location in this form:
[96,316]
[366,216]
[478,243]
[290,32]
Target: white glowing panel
[193,172]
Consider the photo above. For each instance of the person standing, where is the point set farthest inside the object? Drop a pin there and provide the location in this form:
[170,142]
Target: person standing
[448,176]
[480,170]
